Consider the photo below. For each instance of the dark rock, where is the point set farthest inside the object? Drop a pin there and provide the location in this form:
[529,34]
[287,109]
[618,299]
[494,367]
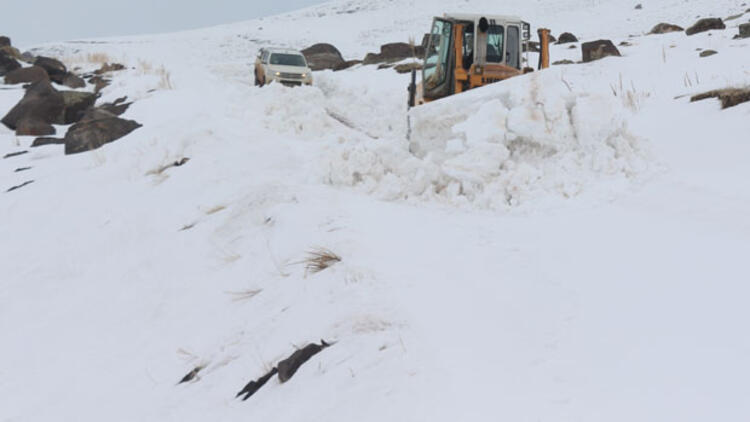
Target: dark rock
[347,64]
[74,81]
[4,41]
[76,104]
[390,53]
[7,63]
[384,66]
[706,24]
[289,366]
[26,183]
[38,142]
[190,375]
[408,67]
[563,62]
[99,83]
[625,44]
[33,126]
[26,75]
[552,38]
[322,56]
[599,49]
[92,134]
[729,97]
[109,67]
[20,169]
[708,53]
[115,108]
[41,102]
[664,28]
[55,69]
[566,37]
[14,154]
[96,113]
[27,57]
[253,386]
[745,30]
[638,7]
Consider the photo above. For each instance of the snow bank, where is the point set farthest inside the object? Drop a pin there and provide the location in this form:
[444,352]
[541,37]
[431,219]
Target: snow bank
[502,146]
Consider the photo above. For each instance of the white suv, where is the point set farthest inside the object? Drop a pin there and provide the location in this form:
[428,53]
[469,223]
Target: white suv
[285,66]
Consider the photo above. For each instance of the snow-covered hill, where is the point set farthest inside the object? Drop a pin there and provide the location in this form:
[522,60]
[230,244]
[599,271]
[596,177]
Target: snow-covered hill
[570,247]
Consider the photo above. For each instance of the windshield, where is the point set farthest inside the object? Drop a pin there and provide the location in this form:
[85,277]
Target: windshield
[436,58]
[288,60]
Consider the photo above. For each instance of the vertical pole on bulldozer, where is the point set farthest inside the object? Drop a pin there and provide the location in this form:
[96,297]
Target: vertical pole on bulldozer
[413,89]
[543,48]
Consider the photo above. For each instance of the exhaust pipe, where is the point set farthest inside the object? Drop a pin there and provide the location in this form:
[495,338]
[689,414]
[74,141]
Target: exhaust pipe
[544,48]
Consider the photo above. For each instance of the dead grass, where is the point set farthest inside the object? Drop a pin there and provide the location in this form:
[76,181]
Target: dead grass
[244,295]
[319,260]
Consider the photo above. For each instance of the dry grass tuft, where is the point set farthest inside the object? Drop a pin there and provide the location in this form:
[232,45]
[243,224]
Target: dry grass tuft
[320,259]
[244,295]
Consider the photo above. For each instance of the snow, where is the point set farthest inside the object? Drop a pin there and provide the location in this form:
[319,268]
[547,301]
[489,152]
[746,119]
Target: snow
[565,246]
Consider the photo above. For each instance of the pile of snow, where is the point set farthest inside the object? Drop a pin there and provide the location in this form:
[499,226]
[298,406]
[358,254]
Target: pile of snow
[502,146]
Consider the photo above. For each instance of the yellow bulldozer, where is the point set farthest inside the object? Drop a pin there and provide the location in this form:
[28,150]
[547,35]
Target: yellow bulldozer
[466,51]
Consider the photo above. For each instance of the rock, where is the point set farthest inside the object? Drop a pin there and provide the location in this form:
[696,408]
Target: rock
[566,37]
[625,44]
[4,41]
[390,53]
[384,66]
[253,386]
[707,53]
[408,67]
[664,28]
[26,75]
[55,69]
[7,63]
[599,49]
[552,39]
[42,102]
[117,108]
[38,142]
[289,366]
[74,81]
[322,56]
[99,83]
[347,64]
[729,97]
[639,7]
[34,126]
[107,67]
[92,134]
[563,62]
[76,104]
[706,24]
[27,57]
[745,30]
[96,113]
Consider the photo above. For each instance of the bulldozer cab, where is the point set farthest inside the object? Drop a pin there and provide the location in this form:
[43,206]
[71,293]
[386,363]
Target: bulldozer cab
[467,51]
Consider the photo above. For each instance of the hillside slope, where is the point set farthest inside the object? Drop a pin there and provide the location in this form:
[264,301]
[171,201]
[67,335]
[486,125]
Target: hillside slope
[570,247]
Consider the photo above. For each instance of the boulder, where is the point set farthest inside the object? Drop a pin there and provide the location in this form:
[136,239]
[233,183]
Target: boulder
[322,56]
[92,134]
[567,37]
[4,41]
[664,28]
[408,67]
[729,97]
[74,81]
[27,57]
[26,75]
[117,108]
[96,113]
[390,53]
[347,64]
[99,82]
[7,63]
[563,62]
[76,104]
[599,49]
[109,67]
[38,142]
[55,69]
[708,53]
[745,30]
[706,24]
[289,366]
[41,101]
[34,126]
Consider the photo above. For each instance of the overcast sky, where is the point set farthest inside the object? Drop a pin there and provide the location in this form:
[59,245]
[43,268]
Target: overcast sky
[29,22]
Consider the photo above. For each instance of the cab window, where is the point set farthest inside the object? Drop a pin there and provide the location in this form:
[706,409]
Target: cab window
[495,43]
[512,55]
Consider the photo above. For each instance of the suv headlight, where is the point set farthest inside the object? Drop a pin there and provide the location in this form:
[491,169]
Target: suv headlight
[278,73]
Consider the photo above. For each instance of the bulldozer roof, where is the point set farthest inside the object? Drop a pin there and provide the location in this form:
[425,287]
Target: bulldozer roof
[475,17]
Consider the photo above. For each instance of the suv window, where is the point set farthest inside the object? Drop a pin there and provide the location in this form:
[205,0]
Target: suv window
[511,51]
[288,60]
